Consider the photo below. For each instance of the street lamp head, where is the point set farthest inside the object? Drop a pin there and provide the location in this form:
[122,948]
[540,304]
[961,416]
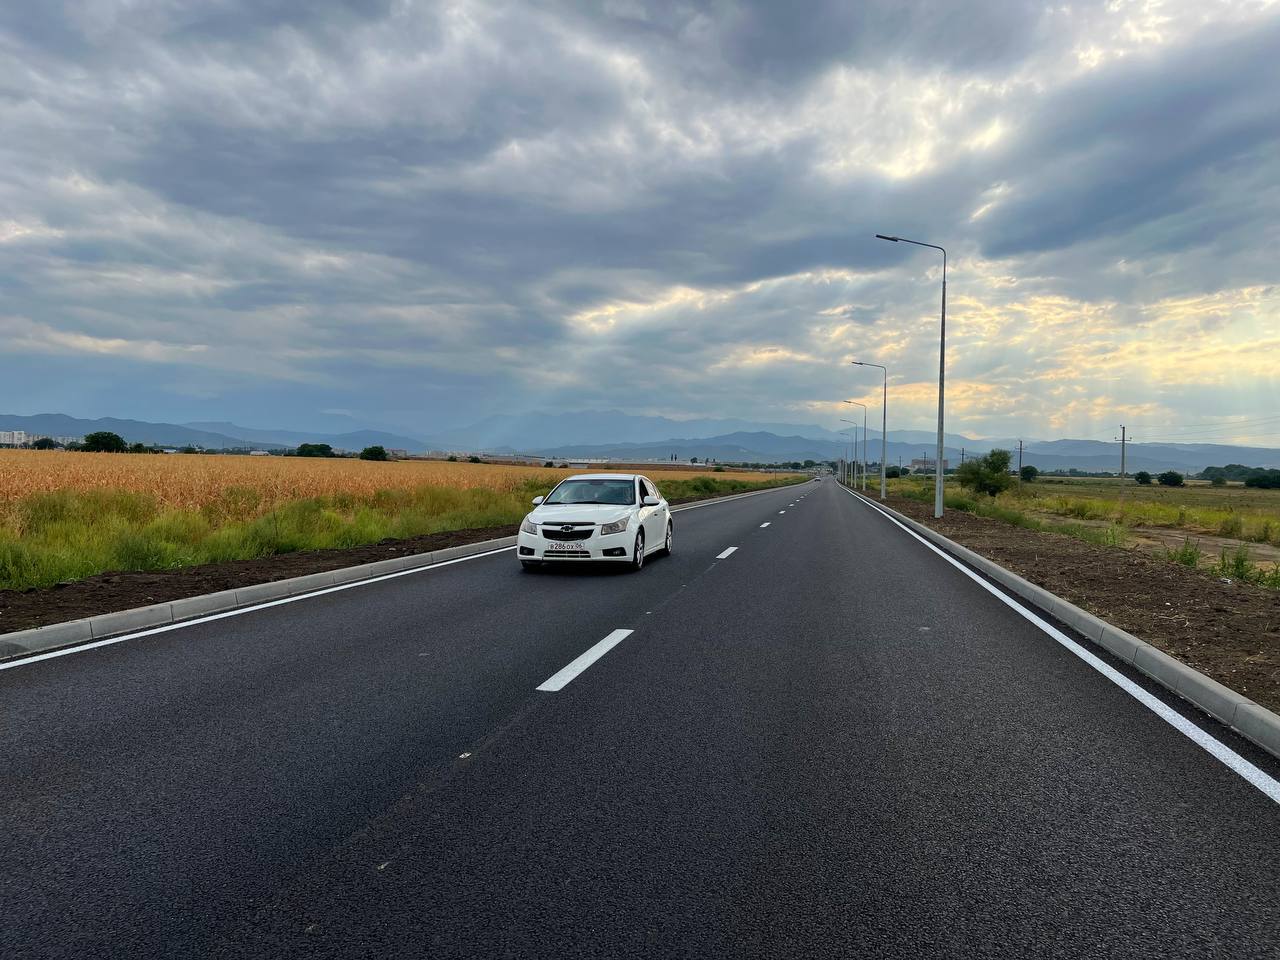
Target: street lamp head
[881,236]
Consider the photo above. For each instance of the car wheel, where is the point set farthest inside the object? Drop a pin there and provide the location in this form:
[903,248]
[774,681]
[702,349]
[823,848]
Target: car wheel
[666,544]
[637,557]
[531,566]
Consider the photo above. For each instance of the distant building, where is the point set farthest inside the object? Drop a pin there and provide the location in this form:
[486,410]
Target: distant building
[928,464]
[13,438]
[259,453]
[397,454]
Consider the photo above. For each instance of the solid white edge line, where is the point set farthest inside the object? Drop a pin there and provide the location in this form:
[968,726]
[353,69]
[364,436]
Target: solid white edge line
[721,556]
[765,524]
[1202,738]
[560,679]
[208,618]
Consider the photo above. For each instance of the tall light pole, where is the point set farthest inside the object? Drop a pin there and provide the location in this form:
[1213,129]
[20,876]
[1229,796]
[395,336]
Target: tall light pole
[884,419]
[942,361]
[844,467]
[853,478]
[864,441]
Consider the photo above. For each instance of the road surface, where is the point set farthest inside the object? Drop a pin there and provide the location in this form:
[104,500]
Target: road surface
[827,742]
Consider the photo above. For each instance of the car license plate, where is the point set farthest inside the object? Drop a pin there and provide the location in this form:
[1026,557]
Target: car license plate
[564,546]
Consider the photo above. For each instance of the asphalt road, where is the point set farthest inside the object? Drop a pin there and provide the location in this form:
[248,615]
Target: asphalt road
[827,743]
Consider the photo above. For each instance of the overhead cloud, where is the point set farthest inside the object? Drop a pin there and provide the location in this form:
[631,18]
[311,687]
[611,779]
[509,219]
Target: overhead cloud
[419,214]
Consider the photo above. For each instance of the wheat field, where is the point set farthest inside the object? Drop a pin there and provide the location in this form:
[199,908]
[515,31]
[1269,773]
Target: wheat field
[193,481]
[67,515]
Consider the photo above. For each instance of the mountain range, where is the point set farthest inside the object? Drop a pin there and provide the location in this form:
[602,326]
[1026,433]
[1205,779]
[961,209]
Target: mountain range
[612,434]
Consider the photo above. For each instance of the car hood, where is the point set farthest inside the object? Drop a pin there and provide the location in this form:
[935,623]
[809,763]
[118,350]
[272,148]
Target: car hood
[579,513]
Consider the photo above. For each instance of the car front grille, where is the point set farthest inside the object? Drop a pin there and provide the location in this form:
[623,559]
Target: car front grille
[555,533]
[570,554]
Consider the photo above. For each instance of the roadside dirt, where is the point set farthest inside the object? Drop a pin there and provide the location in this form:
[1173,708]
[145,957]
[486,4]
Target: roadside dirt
[1227,630]
[109,592]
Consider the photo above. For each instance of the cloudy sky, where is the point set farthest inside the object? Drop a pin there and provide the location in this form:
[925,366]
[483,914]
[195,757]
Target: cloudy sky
[346,213]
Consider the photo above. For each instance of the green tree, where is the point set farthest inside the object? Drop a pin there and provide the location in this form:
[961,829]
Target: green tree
[1029,473]
[46,443]
[1219,481]
[376,452]
[103,441]
[315,450]
[1170,478]
[989,474]
[474,459]
[1143,478]
[549,463]
[1263,479]
[892,473]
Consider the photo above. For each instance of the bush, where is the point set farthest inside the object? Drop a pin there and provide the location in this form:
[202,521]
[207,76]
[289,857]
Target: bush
[1218,481]
[1188,554]
[1029,473]
[474,459]
[376,452]
[549,463]
[315,450]
[103,441]
[989,474]
[1264,480]
[46,443]
[1170,478]
[1143,478]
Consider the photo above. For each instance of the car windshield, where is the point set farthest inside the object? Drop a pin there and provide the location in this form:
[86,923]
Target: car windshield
[619,492]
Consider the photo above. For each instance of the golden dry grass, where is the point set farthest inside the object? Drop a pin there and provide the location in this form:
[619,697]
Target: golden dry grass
[192,481]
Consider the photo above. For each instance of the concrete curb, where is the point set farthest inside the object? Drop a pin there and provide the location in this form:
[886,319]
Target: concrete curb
[24,643]
[1250,720]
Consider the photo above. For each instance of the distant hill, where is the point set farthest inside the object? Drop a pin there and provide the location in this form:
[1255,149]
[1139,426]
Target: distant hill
[1088,455]
[211,436]
[520,433]
[134,431]
[355,440]
[535,429]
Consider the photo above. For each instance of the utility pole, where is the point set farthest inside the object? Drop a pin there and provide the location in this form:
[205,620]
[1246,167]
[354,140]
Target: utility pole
[1123,438]
[962,456]
[1019,466]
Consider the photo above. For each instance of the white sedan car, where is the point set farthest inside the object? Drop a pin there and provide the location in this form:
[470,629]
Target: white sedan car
[596,516]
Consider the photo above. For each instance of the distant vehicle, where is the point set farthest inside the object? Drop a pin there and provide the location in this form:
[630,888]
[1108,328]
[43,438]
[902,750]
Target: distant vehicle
[817,479]
[621,518]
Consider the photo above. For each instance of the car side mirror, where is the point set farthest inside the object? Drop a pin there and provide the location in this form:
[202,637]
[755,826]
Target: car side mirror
[538,500]
[651,501]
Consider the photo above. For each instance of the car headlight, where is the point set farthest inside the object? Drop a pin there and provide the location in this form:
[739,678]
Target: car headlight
[528,526]
[616,527]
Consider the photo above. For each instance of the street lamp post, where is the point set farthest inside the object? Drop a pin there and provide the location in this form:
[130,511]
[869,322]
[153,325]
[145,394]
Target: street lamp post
[851,475]
[844,466]
[864,441]
[884,419]
[942,361]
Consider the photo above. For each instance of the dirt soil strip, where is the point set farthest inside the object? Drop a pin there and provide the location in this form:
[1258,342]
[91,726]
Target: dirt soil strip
[125,590]
[1227,630]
